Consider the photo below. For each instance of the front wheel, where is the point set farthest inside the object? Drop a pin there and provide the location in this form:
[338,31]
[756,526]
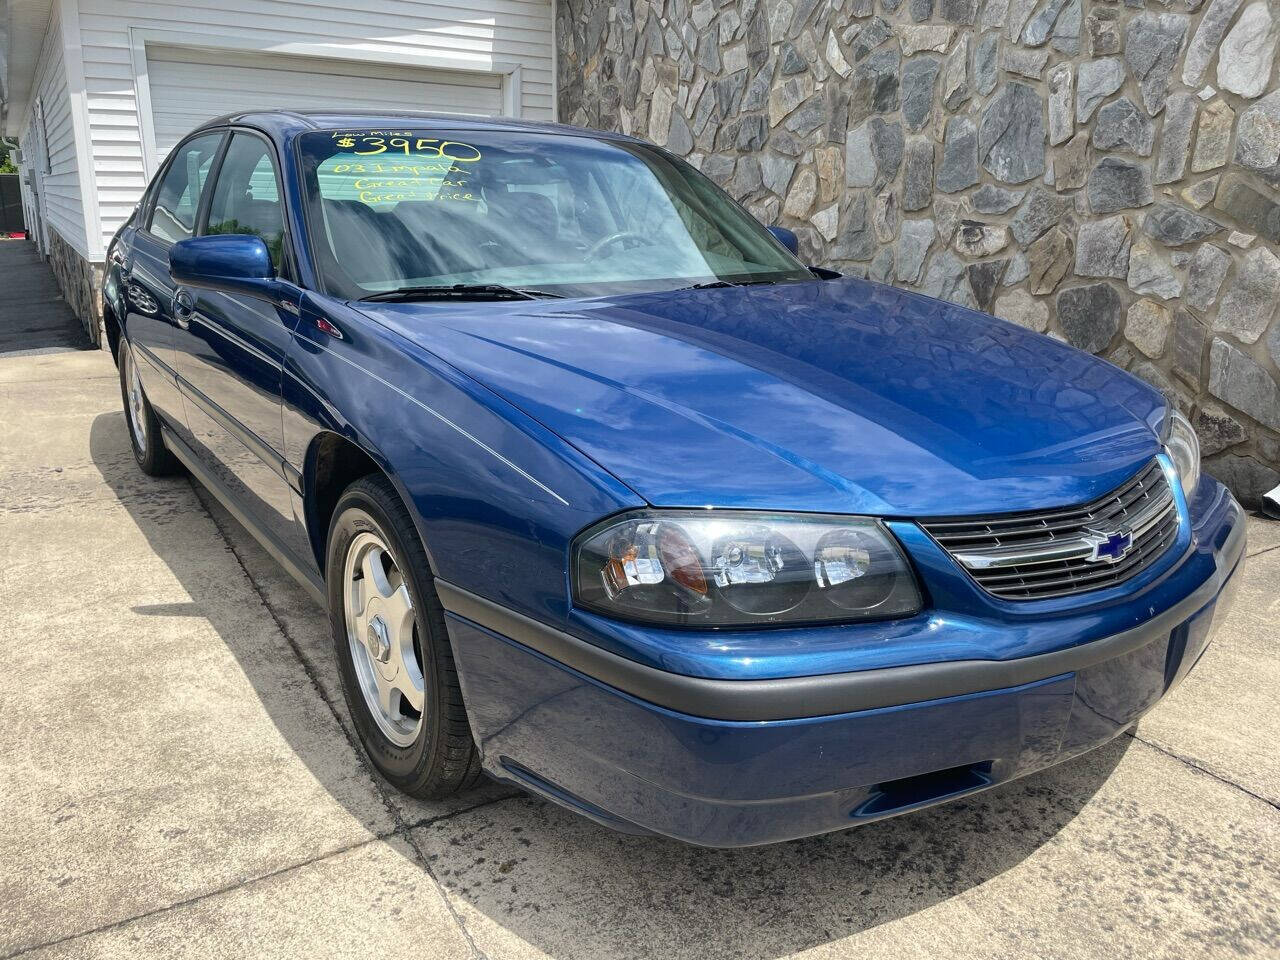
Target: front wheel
[144,426]
[398,675]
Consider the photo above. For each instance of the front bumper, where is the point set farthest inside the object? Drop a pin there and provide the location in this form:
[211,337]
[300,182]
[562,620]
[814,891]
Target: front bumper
[742,762]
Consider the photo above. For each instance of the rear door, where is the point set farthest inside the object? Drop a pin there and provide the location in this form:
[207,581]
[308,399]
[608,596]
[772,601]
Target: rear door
[229,349]
[144,272]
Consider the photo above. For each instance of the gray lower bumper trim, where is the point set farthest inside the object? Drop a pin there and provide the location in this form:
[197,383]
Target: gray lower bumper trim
[797,697]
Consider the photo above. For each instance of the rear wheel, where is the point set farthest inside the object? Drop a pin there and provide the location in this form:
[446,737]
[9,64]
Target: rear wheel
[144,426]
[398,675]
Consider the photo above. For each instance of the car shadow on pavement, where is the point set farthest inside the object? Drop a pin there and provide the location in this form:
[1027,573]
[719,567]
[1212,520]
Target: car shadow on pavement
[524,867]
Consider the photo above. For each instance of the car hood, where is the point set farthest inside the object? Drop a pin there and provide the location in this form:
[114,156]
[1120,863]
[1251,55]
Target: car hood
[839,396]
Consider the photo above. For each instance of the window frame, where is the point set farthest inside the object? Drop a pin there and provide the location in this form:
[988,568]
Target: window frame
[153,194]
[287,268]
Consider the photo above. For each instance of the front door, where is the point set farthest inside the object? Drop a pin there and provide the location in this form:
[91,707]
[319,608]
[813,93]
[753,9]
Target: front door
[230,350]
[144,271]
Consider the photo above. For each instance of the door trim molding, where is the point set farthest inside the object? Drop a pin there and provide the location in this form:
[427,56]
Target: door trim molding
[255,444]
[294,565]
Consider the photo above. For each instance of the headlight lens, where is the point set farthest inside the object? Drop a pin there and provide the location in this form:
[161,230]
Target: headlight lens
[699,568]
[1183,447]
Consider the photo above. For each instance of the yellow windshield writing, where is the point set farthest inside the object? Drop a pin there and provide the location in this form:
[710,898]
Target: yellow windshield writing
[375,142]
[384,180]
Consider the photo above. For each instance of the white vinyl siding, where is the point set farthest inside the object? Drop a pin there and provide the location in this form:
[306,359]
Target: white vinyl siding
[190,86]
[54,139]
[474,36]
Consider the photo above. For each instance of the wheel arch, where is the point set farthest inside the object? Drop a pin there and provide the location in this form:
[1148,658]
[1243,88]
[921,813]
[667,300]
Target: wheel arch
[111,325]
[332,463]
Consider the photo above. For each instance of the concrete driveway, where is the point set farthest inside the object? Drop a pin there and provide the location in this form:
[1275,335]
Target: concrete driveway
[177,778]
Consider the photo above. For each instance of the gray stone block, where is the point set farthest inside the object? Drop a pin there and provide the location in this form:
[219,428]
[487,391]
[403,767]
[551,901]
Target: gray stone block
[989,198]
[1040,211]
[1205,275]
[919,78]
[1049,260]
[1151,44]
[913,246]
[1089,315]
[1011,138]
[917,176]
[1246,204]
[1095,81]
[1251,299]
[1062,105]
[1241,382]
[1175,138]
[1116,184]
[1204,42]
[1175,226]
[1217,430]
[1150,273]
[1102,247]
[1248,53]
[946,279]
[959,167]
[1121,125]
[1189,337]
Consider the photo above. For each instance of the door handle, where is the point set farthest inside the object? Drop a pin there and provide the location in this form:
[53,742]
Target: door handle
[183,307]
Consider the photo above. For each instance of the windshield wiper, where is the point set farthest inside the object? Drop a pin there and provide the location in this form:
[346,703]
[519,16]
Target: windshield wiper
[460,291]
[710,285]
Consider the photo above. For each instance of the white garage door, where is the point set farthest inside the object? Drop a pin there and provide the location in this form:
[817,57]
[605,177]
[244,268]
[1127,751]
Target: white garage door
[190,86]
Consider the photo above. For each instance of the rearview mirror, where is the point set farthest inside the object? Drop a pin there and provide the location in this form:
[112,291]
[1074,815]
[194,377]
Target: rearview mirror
[230,263]
[786,238]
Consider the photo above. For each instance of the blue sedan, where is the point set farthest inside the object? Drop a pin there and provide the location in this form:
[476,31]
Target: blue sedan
[608,495]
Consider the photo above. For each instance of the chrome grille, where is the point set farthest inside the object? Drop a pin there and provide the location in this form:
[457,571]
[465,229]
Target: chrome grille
[1055,553]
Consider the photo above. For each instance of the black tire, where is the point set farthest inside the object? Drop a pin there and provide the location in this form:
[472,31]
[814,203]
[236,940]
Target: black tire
[443,759]
[152,455]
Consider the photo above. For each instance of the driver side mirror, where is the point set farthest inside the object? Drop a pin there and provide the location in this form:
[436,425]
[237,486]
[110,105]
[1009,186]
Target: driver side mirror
[787,238]
[230,263]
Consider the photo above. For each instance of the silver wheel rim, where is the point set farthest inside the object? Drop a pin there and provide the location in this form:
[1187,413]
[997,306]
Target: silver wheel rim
[136,405]
[383,637]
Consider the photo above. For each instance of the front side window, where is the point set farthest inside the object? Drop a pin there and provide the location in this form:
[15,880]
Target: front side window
[570,215]
[245,197]
[178,198]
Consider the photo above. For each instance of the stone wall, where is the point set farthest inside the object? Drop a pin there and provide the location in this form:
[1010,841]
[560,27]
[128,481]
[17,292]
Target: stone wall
[1099,171]
[81,284]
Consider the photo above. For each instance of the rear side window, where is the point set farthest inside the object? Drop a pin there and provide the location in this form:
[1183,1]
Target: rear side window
[178,199]
[245,196]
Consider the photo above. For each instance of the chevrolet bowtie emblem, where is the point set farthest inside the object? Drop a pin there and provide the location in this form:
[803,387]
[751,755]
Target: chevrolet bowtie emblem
[1108,546]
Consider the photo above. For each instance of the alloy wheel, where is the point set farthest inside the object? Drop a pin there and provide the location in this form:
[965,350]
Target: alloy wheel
[136,408]
[382,633]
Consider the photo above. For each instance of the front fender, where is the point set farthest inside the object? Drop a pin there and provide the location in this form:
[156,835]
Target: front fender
[496,496]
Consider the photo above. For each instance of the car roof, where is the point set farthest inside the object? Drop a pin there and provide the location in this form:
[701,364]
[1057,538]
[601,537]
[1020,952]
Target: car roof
[287,123]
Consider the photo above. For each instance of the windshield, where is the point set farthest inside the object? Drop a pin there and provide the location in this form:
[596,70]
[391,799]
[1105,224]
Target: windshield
[567,215]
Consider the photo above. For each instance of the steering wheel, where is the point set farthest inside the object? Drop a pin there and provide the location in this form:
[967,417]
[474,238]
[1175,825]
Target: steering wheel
[596,248]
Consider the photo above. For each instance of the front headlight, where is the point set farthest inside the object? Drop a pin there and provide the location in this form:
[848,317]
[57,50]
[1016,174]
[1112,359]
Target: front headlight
[1183,447]
[712,569]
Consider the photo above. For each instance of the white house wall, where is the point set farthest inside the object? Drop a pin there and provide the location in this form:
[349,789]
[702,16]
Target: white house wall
[59,182]
[492,33]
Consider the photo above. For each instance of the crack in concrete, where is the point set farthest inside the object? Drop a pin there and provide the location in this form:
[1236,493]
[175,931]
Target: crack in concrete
[15,383]
[1192,764]
[403,828]
[245,882]
[177,904]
